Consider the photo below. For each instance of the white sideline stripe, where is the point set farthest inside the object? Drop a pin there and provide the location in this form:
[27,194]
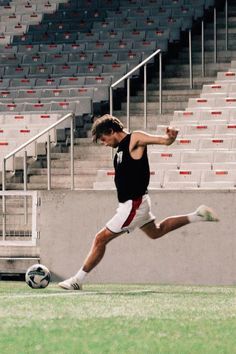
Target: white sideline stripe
[73,292]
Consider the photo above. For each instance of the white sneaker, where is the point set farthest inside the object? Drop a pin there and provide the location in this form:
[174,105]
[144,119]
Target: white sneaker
[70,284]
[206,213]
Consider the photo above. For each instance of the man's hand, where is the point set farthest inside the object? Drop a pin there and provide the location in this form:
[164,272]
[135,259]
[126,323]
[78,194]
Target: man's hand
[171,134]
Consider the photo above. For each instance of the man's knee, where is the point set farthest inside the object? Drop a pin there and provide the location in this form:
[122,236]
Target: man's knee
[101,238]
[154,232]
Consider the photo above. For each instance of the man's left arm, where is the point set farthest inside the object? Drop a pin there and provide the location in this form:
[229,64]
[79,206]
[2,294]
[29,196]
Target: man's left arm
[143,139]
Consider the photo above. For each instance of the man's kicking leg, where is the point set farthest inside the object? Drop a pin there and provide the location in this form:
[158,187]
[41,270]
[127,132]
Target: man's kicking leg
[95,255]
[203,213]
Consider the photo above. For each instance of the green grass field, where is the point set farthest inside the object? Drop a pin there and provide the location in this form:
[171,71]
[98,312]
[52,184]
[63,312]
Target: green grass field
[117,319]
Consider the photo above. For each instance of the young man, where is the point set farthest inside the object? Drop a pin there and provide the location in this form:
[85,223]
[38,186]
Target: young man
[131,179]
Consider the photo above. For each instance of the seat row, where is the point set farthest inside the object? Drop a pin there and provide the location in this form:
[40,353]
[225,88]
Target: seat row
[73,81]
[115,3]
[80,106]
[170,32]
[212,103]
[96,52]
[213,130]
[177,179]
[199,144]
[184,160]
[204,116]
[150,43]
[99,93]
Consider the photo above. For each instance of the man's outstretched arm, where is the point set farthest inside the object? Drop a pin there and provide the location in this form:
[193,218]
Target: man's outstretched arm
[142,139]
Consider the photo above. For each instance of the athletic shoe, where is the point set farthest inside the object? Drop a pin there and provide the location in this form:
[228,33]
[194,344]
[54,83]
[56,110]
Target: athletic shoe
[206,213]
[70,284]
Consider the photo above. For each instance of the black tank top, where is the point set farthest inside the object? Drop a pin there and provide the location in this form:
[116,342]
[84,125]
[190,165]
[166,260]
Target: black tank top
[131,176]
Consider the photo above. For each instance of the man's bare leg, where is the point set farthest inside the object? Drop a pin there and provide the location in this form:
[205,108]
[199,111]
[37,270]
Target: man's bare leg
[203,213]
[155,231]
[98,248]
[95,255]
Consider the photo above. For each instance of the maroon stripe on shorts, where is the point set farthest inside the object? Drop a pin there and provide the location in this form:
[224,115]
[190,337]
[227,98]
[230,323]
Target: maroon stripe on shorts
[135,205]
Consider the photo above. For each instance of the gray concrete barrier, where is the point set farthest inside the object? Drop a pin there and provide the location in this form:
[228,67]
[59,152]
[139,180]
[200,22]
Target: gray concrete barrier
[199,253]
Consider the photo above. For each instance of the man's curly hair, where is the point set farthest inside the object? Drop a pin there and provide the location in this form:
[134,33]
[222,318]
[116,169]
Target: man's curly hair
[105,125]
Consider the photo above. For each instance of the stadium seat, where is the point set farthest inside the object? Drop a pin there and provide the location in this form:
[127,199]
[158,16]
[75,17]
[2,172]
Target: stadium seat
[224,130]
[218,179]
[200,160]
[62,70]
[52,48]
[41,70]
[182,179]
[199,130]
[47,82]
[202,103]
[224,160]
[160,160]
[215,143]
[156,179]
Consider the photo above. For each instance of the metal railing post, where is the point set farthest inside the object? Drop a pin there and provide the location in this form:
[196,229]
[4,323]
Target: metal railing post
[203,50]
[160,83]
[226,25]
[49,161]
[128,104]
[25,186]
[190,60]
[215,37]
[72,153]
[25,170]
[111,100]
[128,76]
[3,200]
[145,95]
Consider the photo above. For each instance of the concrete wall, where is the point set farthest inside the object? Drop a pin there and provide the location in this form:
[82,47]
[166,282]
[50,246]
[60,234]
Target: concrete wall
[199,253]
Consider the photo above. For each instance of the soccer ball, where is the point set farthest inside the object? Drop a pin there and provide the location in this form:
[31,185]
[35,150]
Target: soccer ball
[37,276]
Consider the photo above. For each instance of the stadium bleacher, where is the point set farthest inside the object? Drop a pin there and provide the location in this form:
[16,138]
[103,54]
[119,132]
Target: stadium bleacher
[57,57]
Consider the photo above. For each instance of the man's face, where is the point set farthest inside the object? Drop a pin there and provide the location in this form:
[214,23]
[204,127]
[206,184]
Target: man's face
[109,140]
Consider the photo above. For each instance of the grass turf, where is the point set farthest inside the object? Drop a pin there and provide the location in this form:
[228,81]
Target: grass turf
[117,319]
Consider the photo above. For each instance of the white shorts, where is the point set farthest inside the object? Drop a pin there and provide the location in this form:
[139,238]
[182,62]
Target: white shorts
[131,215]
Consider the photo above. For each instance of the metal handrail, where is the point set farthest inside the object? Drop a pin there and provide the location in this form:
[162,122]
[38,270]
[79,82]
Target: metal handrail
[128,75]
[35,138]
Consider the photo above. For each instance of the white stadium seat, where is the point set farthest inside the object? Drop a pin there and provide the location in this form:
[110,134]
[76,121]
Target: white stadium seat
[224,160]
[182,179]
[217,179]
[200,160]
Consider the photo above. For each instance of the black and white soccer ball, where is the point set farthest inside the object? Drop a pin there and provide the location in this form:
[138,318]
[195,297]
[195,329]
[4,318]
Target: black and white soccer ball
[38,276]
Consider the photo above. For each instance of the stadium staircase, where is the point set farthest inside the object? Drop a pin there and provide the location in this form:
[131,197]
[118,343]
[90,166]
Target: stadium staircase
[89,159]
[176,93]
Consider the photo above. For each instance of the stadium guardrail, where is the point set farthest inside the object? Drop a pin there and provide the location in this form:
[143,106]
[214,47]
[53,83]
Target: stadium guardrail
[70,116]
[203,43]
[128,76]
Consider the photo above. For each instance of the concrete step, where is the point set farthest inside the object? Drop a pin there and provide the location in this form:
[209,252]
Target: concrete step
[82,152]
[222,57]
[169,94]
[62,171]
[81,164]
[165,99]
[182,69]
[209,31]
[16,265]
[153,107]
[180,81]
[137,120]
[154,97]
[18,249]
[62,181]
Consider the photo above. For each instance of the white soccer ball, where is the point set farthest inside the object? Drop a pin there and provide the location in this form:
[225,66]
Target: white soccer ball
[38,276]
